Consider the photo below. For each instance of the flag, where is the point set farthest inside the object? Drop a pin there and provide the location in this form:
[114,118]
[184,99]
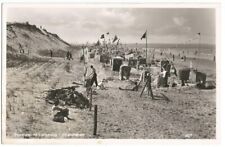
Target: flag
[115,38]
[102,36]
[98,43]
[144,35]
[199,33]
[107,33]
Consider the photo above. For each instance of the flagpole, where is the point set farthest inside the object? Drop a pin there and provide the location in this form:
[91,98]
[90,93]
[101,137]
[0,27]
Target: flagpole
[146,46]
[116,47]
[104,41]
[83,53]
[199,42]
[136,47]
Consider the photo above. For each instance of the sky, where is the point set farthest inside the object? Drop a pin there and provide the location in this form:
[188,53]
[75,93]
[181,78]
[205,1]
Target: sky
[81,25]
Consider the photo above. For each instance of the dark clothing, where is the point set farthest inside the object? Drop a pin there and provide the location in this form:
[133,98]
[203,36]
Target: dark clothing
[94,79]
[51,53]
[68,55]
[59,116]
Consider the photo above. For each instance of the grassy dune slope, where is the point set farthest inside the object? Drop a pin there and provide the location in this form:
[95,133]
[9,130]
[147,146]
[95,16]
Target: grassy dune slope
[33,39]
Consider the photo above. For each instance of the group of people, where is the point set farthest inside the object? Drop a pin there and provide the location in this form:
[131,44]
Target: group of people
[90,77]
[68,55]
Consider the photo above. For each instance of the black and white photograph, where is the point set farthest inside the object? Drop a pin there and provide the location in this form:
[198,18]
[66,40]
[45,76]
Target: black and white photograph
[110,71]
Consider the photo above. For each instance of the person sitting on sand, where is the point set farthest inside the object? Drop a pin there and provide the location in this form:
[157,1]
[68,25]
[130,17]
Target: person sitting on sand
[60,114]
[101,84]
[163,72]
[162,75]
[173,70]
[135,88]
[173,75]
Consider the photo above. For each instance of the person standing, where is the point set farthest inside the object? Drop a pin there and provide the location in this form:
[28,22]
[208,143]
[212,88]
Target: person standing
[68,55]
[93,76]
[71,57]
[184,58]
[173,75]
[51,53]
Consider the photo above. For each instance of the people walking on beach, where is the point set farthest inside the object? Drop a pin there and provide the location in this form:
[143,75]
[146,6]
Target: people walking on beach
[93,76]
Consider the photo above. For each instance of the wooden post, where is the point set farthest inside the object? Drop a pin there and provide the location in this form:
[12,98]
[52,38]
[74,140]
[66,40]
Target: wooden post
[146,48]
[90,101]
[104,42]
[95,120]
[150,87]
[136,47]
[143,88]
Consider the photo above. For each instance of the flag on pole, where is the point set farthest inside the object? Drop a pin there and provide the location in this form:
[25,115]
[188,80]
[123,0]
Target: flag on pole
[144,35]
[115,38]
[98,43]
[102,36]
